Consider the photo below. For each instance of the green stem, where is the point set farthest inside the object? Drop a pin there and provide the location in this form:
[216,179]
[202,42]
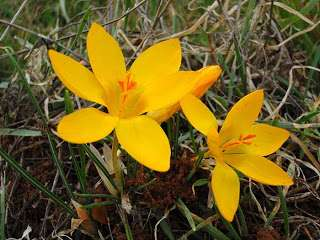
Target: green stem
[285,212]
[119,183]
[116,164]
[124,219]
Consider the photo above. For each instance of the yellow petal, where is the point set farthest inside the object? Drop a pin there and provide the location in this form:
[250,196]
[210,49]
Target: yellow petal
[77,78]
[105,57]
[208,76]
[163,114]
[226,190]
[86,125]
[241,116]
[159,60]
[213,141]
[198,114]
[259,169]
[145,141]
[168,90]
[267,140]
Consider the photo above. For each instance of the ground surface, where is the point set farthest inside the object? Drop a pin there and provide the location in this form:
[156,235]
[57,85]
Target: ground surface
[272,45]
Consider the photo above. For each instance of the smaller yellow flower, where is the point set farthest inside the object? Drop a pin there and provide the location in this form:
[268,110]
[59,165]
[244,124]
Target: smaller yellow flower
[241,144]
[207,77]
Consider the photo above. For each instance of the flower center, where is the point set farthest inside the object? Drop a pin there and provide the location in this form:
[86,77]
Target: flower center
[129,96]
[127,84]
[243,139]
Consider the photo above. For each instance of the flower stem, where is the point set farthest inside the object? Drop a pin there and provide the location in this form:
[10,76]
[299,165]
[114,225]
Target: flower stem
[124,219]
[119,183]
[116,164]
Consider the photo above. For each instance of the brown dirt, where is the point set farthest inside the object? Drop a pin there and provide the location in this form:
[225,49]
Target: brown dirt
[268,234]
[163,192]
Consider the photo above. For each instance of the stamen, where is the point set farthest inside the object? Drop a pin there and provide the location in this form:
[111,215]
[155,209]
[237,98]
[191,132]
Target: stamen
[231,144]
[127,83]
[243,139]
[131,84]
[249,136]
[122,85]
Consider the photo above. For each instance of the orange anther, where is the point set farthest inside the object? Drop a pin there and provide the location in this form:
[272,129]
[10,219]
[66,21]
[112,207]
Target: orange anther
[122,85]
[249,136]
[231,144]
[127,83]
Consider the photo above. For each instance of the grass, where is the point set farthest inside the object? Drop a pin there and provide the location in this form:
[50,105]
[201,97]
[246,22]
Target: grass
[259,44]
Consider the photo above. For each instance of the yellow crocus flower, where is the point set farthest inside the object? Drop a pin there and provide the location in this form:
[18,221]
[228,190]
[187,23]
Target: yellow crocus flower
[152,82]
[241,144]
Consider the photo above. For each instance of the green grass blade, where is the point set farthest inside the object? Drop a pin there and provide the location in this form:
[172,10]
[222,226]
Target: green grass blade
[313,74]
[166,229]
[95,195]
[64,10]
[82,164]
[99,204]
[35,182]
[124,219]
[243,223]
[241,65]
[246,26]
[231,229]
[176,136]
[170,130]
[214,232]
[69,107]
[285,213]
[232,76]
[186,212]
[84,19]
[19,132]
[201,225]
[77,168]
[58,164]
[193,141]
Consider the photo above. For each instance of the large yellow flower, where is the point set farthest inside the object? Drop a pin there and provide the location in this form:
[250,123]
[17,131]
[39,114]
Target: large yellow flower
[241,144]
[152,82]
[207,76]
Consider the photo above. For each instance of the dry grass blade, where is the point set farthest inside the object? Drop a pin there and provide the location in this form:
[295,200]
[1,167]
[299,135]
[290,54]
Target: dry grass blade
[290,10]
[305,149]
[300,33]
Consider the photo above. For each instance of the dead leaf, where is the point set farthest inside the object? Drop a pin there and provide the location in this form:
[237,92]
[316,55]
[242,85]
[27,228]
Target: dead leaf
[84,220]
[99,213]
